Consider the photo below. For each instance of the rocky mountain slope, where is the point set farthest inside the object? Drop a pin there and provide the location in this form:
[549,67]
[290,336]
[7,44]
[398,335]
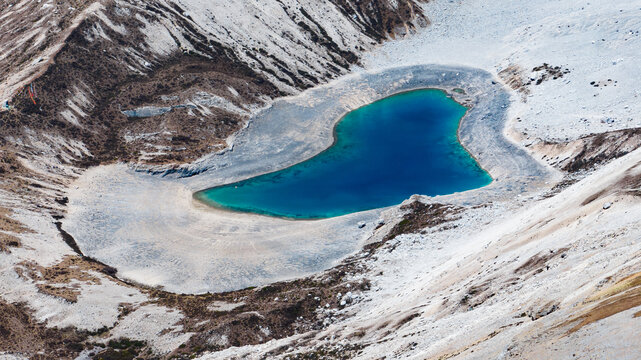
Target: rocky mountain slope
[548,274]
[147,82]
[212,63]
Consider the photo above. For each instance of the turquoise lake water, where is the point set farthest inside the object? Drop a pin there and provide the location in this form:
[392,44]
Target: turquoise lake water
[383,153]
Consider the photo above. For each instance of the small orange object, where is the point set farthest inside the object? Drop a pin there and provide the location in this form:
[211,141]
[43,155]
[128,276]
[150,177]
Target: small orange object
[31,96]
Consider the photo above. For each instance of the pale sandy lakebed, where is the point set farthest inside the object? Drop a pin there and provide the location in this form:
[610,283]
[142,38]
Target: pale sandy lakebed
[152,230]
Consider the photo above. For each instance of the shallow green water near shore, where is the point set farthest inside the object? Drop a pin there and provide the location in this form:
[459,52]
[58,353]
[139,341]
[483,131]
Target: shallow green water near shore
[383,153]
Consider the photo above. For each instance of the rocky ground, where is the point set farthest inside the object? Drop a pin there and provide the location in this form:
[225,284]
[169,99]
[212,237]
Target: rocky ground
[80,81]
[552,273]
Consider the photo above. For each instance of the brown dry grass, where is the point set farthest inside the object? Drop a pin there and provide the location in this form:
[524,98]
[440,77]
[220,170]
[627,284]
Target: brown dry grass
[21,333]
[624,295]
[620,286]
[9,227]
[420,216]
[8,241]
[514,76]
[57,280]
[536,263]
[8,224]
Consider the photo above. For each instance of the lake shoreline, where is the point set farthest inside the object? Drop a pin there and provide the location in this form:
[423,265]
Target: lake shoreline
[116,211]
[417,139]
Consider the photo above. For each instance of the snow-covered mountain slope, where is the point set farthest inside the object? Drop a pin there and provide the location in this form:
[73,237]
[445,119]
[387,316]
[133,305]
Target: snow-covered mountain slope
[543,277]
[31,33]
[213,62]
[77,75]
[548,274]
[594,43]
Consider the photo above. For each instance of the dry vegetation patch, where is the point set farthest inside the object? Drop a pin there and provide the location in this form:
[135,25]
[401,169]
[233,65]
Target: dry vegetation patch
[538,262]
[477,294]
[21,333]
[63,279]
[8,241]
[590,151]
[9,227]
[420,216]
[519,80]
[623,295]
[514,77]
[256,315]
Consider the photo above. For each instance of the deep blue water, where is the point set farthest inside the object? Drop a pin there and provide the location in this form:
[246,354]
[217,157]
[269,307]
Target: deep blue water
[383,153]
